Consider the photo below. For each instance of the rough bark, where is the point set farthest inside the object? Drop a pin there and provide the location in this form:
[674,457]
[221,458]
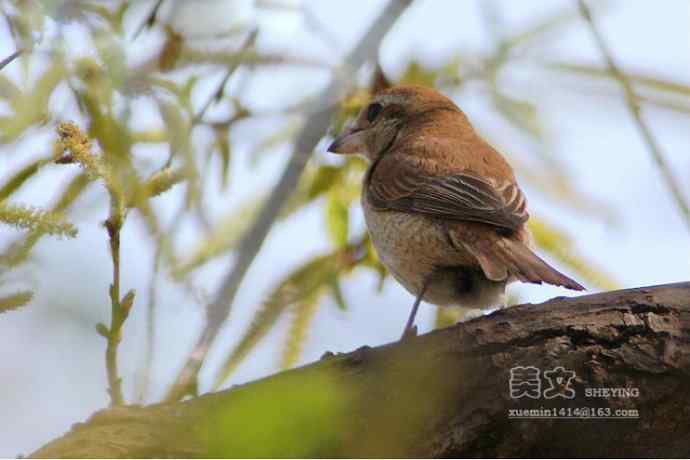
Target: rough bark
[444,394]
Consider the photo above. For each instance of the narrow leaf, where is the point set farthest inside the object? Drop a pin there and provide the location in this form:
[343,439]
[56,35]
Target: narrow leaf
[295,288]
[24,174]
[310,279]
[15,301]
[127,301]
[223,143]
[102,330]
[35,219]
[338,293]
[303,315]
[19,250]
[337,219]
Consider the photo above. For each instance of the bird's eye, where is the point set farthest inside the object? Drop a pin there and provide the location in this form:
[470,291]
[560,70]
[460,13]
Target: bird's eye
[373,111]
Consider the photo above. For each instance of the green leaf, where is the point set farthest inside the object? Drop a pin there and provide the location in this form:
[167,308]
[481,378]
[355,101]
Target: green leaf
[223,143]
[127,301]
[326,177]
[309,280]
[185,93]
[15,301]
[314,183]
[31,108]
[159,182]
[176,122]
[25,217]
[179,132]
[371,260]
[113,56]
[303,314]
[18,251]
[24,174]
[103,330]
[337,219]
[338,293]
[298,286]
[8,90]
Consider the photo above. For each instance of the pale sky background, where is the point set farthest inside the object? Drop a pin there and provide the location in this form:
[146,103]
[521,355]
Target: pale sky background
[51,361]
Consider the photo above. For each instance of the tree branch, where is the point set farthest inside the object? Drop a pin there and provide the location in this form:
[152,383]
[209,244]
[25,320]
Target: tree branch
[448,393]
[10,58]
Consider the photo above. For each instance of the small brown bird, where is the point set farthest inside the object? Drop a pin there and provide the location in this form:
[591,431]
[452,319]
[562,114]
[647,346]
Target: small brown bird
[443,208]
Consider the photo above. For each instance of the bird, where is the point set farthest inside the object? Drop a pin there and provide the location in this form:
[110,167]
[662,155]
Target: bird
[442,206]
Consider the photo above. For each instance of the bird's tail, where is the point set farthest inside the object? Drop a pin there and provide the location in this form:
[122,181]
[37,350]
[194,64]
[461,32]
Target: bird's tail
[526,266]
[503,257]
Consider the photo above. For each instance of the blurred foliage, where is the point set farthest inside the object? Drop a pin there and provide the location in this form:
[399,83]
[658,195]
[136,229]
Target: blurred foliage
[286,418]
[448,316]
[15,301]
[34,219]
[47,84]
[299,293]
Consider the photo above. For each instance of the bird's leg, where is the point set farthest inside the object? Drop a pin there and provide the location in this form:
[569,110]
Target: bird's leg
[410,328]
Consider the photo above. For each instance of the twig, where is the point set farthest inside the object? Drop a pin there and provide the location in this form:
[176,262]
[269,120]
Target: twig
[10,58]
[218,93]
[120,309]
[114,334]
[149,21]
[315,126]
[73,146]
[633,105]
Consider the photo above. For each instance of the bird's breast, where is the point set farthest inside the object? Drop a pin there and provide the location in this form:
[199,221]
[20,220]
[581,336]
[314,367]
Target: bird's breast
[412,247]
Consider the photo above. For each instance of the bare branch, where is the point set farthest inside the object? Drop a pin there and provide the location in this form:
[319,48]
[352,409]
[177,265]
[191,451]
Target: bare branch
[10,58]
[149,21]
[218,93]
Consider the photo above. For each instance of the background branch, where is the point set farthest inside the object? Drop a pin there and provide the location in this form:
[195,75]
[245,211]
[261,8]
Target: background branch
[10,58]
[633,104]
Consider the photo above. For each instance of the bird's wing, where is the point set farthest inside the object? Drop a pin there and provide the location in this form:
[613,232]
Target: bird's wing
[400,184]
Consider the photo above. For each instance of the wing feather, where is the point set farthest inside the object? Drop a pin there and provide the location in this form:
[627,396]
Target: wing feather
[462,196]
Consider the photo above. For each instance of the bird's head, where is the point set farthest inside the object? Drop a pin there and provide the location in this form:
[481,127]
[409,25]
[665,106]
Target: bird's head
[378,124]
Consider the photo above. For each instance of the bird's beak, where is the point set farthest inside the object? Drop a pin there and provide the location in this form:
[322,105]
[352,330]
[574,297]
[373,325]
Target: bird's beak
[350,141]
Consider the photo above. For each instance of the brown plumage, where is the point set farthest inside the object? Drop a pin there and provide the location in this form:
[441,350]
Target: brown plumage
[442,206]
